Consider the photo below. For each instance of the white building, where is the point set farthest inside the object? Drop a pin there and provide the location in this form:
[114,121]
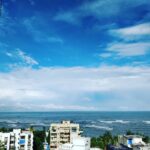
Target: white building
[78,143]
[17,139]
[131,140]
[61,133]
[139,147]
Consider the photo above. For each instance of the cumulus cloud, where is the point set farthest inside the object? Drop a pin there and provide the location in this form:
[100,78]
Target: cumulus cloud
[106,88]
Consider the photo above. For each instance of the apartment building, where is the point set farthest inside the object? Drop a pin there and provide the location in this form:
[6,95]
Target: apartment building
[17,139]
[129,142]
[78,143]
[61,133]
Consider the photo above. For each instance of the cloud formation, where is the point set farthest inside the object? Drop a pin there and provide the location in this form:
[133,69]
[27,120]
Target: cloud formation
[36,29]
[130,41]
[22,58]
[103,9]
[102,88]
[129,49]
[136,32]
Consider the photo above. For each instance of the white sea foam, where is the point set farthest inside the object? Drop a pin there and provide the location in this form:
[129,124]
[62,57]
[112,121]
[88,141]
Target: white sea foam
[99,127]
[147,122]
[13,125]
[114,121]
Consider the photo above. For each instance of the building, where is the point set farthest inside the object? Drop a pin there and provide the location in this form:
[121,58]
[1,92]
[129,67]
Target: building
[78,143]
[46,146]
[139,147]
[131,140]
[118,147]
[61,133]
[17,139]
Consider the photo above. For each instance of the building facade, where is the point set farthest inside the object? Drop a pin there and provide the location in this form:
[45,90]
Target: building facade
[61,133]
[78,143]
[17,139]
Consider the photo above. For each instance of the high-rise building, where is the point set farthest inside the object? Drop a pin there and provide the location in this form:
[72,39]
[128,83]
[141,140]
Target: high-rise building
[17,139]
[61,133]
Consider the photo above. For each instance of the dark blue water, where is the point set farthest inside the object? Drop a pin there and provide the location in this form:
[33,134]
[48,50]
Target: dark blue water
[92,123]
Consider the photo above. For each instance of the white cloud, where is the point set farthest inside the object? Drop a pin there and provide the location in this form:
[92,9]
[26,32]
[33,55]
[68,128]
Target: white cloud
[22,58]
[105,55]
[36,28]
[132,32]
[129,49]
[27,59]
[134,40]
[100,9]
[69,88]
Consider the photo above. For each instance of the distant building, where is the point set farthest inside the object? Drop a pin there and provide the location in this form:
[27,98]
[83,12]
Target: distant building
[139,147]
[119,147]
[131,140]
[18,140]
[61,133]
[78,143]
[46,146]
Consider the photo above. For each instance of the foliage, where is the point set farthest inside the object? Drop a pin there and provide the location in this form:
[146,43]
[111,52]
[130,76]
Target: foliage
[103,140]
[146,139]
[129,133]
[2,147]
[39,137]
[6,129]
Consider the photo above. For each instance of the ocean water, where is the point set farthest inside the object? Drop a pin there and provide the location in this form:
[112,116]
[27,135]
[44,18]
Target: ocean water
[92,123]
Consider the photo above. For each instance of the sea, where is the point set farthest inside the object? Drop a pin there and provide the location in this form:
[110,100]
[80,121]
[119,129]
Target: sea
[93,124]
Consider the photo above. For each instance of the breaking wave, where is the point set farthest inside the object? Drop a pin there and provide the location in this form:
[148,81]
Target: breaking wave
[99,127]
[114,121]
[147,122]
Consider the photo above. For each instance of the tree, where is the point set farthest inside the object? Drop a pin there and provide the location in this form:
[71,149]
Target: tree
[39,137]
[104,140]
[2,146]
[129,132]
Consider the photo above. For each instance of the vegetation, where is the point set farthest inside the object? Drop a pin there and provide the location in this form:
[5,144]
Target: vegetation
[39,138]
[102,141]
[6,129]
[107,138]
[2,147]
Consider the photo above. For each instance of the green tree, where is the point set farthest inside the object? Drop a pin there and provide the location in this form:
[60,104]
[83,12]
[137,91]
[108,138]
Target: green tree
[39,137]
[129,132]
[2,146]
[104,140]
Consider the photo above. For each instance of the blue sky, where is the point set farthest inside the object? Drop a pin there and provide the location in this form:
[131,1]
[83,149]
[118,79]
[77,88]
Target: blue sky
[74,55]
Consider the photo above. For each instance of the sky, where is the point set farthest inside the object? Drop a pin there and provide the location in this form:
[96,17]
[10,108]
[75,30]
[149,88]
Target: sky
[75,55]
